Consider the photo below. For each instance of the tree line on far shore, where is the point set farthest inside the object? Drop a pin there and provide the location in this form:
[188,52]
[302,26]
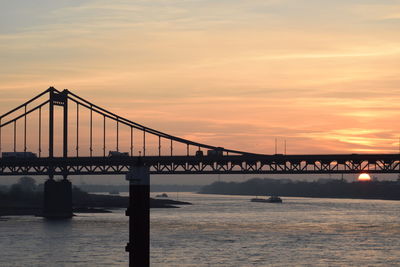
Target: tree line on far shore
[27,193]
[329,188]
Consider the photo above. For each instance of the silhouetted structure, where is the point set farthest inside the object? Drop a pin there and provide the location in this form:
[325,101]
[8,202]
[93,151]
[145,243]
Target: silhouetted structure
[190,159]
[57,199]
[139,216]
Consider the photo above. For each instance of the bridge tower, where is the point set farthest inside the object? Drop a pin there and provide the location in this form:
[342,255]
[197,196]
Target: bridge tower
[57,194]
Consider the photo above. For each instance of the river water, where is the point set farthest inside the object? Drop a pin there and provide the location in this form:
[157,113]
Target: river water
[217,231]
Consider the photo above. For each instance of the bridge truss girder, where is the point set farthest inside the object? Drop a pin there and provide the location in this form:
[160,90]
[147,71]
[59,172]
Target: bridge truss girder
[244,164]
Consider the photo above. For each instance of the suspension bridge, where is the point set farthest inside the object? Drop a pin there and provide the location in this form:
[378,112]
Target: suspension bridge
[30,145]
[37,138]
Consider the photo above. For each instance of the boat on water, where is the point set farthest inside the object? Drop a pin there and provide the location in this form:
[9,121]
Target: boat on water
[162,195]
[114,192]
[271,199]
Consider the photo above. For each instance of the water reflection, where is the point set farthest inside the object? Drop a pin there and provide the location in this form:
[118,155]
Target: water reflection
[217,231]
[56,240]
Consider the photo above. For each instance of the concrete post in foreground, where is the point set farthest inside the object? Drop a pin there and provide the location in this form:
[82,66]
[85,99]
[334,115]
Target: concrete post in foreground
[139,216]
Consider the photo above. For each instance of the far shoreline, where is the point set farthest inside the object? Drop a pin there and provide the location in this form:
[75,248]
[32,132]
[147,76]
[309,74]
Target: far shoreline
[326,188]
[282,196]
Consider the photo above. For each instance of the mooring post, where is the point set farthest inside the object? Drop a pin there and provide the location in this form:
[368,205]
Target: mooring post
[139,216]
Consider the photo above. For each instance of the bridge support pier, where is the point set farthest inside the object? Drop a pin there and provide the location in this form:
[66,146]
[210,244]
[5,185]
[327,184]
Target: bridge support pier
[57,199]
[139,216]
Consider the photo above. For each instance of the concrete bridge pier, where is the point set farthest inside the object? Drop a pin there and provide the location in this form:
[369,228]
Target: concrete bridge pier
[139,216]
[57,199]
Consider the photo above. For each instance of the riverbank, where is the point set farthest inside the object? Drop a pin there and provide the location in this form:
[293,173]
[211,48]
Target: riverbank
[36,211]
[82,203]
[384,190]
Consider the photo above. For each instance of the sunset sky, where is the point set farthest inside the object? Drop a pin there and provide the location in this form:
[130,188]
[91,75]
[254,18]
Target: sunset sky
[322,75]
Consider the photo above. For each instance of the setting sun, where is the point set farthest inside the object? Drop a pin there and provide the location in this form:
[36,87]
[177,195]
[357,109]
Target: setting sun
[364,177]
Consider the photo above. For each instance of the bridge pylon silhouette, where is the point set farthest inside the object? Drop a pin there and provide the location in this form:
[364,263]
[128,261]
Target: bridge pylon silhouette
[95,141]
[58,194]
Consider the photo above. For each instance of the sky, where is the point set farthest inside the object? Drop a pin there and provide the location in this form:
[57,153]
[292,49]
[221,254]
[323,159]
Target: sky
[322,75]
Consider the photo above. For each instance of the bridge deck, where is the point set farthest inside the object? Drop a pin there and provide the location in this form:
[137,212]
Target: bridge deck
[238,164]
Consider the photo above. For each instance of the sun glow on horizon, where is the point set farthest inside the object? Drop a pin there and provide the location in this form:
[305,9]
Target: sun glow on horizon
[364,177]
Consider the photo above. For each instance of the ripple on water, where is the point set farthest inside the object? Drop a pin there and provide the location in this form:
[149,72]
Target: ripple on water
[217,231]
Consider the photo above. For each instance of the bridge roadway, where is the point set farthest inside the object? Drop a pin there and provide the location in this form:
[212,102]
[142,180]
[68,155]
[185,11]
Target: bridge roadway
[229,164]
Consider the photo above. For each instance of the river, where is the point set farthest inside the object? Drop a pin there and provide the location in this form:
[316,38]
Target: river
[217,230]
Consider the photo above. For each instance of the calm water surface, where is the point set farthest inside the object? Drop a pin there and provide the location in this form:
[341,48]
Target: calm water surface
[217,231]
